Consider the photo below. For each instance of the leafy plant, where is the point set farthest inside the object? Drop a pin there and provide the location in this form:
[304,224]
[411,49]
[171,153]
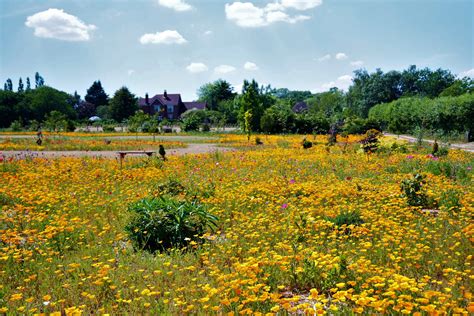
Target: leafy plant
[162,223]
[346,218]
[414,190]
[371,142]
[307,144]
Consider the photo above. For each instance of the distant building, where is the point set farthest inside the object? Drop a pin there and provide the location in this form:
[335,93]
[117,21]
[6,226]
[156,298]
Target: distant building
[169,106]
[300,107]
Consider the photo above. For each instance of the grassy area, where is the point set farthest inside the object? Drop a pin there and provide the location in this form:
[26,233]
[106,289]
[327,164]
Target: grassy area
[284,241]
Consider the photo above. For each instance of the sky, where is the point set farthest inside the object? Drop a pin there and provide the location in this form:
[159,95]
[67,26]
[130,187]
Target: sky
[179,45]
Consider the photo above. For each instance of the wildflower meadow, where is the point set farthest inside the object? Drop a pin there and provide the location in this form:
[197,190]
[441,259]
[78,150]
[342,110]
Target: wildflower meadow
[322,230]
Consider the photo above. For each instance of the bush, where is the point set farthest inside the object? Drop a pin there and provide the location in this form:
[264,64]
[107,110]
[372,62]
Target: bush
[344,219]
[307,144]
[371,143]
[360,126]
[205,128]
[414,190]
[159,224]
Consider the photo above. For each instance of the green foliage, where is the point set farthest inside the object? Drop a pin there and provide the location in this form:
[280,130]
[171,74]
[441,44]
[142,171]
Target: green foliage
[96,95]
[370,143]
[346,218]
[123,104]
[16,126]
[278,118]
[307,144]
[248,124]
[414,190]
[258,141]
[308,123]
[159,224]
[55,121]
[253,99]
[445,114]
[215,92]
[357,125]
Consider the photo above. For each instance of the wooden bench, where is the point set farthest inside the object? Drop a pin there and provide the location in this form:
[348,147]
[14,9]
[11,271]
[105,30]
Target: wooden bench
[122,154]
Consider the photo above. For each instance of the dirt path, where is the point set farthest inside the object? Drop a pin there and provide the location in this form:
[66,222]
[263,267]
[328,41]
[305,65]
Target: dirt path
[191,149]
[464,146]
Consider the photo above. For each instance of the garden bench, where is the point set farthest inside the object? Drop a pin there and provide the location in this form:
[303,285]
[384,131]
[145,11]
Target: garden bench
[122,154]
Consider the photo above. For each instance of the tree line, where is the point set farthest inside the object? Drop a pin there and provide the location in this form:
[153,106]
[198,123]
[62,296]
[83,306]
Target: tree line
[374,100]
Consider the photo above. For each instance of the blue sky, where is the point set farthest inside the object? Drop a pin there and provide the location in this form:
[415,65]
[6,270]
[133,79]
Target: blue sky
[178,45]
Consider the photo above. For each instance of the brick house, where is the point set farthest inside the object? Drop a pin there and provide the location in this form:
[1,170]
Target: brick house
[169,106]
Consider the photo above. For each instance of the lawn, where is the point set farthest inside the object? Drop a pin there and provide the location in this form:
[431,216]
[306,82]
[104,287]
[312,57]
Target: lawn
[280,245]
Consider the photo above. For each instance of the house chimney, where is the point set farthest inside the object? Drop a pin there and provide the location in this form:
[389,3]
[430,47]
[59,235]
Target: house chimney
[165,94]
[146,99]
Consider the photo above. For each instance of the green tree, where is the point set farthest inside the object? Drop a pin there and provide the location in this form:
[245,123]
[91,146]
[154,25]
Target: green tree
[123,104]
[9,85]
[215,92]
[254,101]
[55,121]
[96,95]
[39,81]
[28,84]
[459,87]
[41,101]
[9,101]
[248,123]
[278,118]
[21,87]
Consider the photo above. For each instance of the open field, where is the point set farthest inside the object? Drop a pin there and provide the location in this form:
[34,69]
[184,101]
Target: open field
[277,247]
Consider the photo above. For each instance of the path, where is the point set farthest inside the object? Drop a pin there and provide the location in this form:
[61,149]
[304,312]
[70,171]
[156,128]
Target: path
[191,149]
[463,146]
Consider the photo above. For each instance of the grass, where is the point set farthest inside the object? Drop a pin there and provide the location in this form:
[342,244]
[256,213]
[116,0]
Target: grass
[64,248]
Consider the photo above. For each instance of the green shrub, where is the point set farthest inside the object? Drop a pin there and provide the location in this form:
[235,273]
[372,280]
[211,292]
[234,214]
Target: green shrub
[307,144]
[415,192]
[170,187]
[205,128]
[159,224]
[371,143]
[347,218]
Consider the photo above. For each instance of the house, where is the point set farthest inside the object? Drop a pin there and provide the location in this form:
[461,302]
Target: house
[168,105]
[300,107]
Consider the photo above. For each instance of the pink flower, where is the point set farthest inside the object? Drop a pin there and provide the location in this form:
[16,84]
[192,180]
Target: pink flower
[285,205]
[292,181]
[410,157]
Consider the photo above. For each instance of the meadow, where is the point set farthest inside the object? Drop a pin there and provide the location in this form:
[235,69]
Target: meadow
[279,246]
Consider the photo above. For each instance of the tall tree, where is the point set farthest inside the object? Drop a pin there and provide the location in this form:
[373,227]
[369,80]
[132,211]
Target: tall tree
[96,94]
[9,85]
[39,81]
[28,84]
[214,92]
[123,104]
[21,87]
[254,101]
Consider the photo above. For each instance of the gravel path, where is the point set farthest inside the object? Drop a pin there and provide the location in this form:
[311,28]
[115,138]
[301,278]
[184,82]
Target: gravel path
[464,146]
[191,149]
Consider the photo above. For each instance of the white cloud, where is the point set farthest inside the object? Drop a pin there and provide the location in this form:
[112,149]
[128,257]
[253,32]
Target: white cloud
[130,72]
[341,56]
[467,73]
[301,4]
[165,37]
[208,32]
[357,63]
[55,23]
[250,66]
[342,82]
[196,68]
[177,5]
[224,69]
[324,58]
[246,14]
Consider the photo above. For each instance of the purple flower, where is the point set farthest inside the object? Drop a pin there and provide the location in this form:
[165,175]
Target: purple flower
[410,157]
[285,205]
[292,181]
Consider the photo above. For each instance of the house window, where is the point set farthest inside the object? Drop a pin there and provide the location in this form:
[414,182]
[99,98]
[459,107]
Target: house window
[170,108]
